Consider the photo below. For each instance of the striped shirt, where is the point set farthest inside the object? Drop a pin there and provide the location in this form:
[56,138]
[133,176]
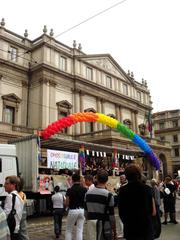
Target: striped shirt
[96,200]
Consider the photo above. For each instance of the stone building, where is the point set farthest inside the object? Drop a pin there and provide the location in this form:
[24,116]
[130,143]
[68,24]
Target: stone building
[167,128]
[42,80]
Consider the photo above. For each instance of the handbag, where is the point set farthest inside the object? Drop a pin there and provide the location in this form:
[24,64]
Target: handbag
[11,221]
[106,225]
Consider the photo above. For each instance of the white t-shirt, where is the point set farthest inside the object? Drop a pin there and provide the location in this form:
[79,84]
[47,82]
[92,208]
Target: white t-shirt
[19,204]
[57,200]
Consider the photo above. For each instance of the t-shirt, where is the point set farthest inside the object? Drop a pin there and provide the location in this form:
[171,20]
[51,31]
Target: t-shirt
[57,200]
[169,194]
[76,196]
[96,200]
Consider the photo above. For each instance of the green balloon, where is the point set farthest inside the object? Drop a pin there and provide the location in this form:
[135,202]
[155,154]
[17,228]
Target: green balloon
[125,130]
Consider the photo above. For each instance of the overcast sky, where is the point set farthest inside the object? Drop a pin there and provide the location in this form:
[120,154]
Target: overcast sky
[143,36]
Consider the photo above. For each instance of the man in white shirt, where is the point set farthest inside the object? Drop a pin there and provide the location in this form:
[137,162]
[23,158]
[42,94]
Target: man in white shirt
[89,181]
[11,186]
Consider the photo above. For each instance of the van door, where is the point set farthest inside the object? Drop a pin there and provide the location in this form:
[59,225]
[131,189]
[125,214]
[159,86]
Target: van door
[8,167]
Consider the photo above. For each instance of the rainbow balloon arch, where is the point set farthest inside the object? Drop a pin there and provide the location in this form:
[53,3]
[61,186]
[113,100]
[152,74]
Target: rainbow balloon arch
[68,121]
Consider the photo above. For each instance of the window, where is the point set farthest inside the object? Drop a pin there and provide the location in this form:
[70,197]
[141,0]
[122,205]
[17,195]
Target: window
[9,114]
[139,95]
[11,104]
[175,123]
[162,138]
[128,123]
[142,129]
[89,73]
[61,115]
[125,89]
[108,82]
[13,54]
[161,125]
[89,127]
[175,138]
[176,152]
[63,63]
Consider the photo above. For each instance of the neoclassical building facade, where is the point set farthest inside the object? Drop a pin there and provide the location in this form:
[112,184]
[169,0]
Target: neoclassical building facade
[42,80]
[167,128]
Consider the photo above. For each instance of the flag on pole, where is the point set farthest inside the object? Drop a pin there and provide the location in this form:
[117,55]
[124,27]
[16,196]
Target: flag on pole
[38,146]
[82,159]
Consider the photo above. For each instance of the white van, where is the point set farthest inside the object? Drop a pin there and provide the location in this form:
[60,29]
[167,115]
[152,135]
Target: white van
[8,164]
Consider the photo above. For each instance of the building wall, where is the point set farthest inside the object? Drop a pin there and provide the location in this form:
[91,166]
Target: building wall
[47,77]
[167,128]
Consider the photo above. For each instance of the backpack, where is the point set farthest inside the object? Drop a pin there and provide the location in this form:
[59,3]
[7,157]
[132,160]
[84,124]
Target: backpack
[11,221]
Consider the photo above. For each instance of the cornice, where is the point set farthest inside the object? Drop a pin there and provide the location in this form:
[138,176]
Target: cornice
[15,43]
[46,80]
[167,130]
[13,65]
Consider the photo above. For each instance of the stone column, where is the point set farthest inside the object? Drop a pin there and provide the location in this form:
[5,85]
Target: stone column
[44,104]
[82,124]
[136,122]
[117,112]
[76,106]
[133,120]
[24,104]
[99,110]
[120,114]
[53,112]
[103,111]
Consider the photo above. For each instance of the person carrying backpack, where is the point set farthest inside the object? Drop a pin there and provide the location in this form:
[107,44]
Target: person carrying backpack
[13,206]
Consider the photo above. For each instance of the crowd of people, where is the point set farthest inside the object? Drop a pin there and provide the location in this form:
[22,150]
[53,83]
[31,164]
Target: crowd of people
[139,204]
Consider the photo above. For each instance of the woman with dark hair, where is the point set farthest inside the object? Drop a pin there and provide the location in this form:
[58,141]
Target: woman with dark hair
[58,210]
[169,200]
[136,206]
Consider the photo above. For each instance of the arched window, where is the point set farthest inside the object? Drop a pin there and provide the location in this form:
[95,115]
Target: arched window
[142,129]
[128,123]
[64,109]
[111,115]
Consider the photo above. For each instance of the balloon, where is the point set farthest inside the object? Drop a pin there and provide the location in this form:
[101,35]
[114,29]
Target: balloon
[110,122]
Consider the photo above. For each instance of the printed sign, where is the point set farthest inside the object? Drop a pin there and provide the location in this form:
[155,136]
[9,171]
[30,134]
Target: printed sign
[62,159]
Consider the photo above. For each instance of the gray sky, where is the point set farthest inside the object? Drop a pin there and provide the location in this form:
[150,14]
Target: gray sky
[141,35]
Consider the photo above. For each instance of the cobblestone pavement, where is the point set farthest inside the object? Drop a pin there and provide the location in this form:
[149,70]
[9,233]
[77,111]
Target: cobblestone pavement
[42,228]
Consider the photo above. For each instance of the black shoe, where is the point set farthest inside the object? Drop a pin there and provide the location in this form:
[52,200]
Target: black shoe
[165,222]
[170,221]
[175,222]
[57,236]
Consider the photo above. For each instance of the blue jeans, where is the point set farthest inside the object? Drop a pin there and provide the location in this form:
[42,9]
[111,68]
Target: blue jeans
[58,215]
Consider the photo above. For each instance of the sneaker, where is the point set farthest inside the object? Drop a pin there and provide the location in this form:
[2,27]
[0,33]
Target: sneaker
[165,222]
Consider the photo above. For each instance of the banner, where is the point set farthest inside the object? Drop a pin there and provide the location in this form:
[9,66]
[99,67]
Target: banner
[62,159]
